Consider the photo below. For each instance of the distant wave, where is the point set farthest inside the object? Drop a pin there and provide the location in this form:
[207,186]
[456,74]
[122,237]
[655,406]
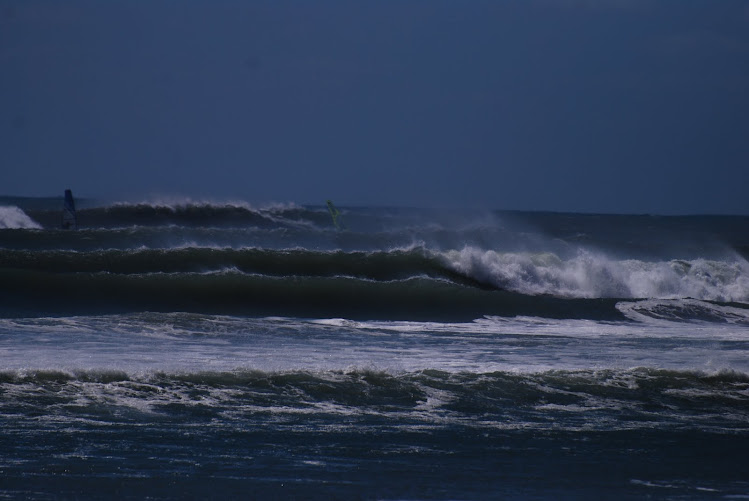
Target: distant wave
[13,217]
[189,214]
[195,214]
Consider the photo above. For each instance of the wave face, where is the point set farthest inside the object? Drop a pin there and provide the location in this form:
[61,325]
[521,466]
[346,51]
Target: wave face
[210,350]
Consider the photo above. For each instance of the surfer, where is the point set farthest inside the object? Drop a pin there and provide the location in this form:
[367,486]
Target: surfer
[69,219]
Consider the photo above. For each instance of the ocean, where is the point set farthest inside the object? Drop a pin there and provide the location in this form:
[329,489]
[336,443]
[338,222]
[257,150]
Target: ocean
[217,350]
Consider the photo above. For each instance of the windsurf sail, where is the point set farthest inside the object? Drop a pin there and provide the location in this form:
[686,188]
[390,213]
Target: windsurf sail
[336,215]
[69,219]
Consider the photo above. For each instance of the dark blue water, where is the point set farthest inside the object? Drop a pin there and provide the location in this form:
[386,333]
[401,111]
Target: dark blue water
[191,350]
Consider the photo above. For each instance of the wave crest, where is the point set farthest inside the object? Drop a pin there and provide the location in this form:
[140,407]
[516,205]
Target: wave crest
[13,217]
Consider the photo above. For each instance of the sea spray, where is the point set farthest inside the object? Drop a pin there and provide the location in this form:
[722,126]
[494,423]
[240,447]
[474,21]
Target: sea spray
[13,217]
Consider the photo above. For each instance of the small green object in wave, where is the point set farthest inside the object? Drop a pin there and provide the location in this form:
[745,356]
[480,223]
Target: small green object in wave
[336,215]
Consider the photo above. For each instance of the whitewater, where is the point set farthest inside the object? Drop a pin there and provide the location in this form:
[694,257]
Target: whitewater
[178,348]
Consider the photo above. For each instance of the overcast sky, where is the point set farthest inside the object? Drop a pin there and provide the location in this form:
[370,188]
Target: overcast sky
[635,106]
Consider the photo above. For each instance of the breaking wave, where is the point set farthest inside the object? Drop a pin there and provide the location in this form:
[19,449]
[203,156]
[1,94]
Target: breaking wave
[591,275]
[650,310]
[585,276]
[13,217]
[412,283]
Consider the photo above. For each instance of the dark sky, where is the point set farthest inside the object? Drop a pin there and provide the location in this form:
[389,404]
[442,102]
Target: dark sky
[636,106]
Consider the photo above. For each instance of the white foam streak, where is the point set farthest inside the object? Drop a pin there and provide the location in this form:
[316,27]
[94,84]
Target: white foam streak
[13,217]
[654,311]
[592,275]
[179,202]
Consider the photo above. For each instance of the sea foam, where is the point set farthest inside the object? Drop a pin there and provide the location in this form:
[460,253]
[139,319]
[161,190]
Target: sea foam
[593,275]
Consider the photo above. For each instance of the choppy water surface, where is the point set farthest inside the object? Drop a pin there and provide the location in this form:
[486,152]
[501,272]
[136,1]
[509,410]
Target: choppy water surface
[218,350]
